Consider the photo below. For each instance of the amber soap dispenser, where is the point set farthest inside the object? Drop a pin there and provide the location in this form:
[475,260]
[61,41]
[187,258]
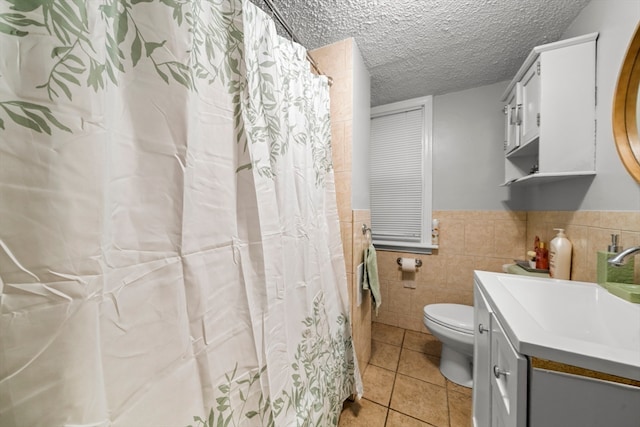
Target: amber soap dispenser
[542,257]
[612,274]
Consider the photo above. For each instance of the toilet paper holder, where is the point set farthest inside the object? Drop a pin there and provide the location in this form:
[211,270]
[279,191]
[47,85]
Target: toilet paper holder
[418,262]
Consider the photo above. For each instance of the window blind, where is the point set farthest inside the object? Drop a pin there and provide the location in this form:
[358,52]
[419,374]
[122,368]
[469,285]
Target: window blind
[396,176]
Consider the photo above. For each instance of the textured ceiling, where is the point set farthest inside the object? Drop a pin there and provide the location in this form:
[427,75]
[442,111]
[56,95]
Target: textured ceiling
[430,47]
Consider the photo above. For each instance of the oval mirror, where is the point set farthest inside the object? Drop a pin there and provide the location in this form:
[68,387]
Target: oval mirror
[626,114]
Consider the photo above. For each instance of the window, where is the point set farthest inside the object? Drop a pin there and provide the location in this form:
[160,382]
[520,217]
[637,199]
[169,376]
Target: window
[400,175]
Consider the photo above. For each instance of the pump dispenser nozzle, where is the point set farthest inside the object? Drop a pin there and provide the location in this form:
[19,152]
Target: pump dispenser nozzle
[613,247]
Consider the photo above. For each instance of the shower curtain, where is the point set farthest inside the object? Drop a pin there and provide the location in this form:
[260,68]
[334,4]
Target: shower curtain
[170,251]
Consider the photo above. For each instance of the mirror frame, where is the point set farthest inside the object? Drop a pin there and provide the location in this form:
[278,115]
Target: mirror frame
[625,105]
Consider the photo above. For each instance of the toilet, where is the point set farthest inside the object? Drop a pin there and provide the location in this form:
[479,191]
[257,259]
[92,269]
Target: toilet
[452,324]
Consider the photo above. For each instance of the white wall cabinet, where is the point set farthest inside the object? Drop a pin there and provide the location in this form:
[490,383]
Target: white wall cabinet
[550,113]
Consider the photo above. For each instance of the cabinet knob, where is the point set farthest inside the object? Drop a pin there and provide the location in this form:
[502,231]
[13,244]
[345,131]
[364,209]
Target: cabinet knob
[497,371]
[482,329]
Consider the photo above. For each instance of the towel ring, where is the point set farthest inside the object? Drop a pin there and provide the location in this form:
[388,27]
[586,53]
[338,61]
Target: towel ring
[365,229]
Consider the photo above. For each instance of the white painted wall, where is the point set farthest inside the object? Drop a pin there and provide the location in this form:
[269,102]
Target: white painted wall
[612,188]
[360,132]
[468,156]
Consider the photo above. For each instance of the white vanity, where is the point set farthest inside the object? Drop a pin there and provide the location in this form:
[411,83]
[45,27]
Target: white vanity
[554,353]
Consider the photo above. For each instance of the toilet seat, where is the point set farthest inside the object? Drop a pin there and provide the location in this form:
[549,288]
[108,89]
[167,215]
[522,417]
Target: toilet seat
[454,316]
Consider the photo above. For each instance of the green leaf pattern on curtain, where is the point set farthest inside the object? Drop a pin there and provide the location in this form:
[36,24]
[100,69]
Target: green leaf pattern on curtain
[233,45]
[78,59]
[216,53]
[278,112]
[322,377]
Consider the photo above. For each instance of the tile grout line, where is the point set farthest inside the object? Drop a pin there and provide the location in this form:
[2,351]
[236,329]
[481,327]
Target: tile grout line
[447,387]
[395,376]
[402,348]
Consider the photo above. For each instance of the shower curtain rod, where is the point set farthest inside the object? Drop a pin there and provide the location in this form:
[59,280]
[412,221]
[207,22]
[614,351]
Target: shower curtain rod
[276,14]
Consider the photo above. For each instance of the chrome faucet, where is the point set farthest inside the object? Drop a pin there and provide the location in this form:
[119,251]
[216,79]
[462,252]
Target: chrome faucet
[621,258]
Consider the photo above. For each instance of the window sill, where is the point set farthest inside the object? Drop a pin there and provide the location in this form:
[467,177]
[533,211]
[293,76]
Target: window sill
[415,248]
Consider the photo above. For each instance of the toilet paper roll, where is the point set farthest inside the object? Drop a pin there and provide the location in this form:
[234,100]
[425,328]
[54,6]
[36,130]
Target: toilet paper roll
[409,265]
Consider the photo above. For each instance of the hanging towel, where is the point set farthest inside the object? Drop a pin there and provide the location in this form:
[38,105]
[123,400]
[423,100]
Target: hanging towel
[370,277]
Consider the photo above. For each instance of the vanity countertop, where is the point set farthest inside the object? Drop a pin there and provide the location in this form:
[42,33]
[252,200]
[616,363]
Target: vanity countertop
[577,323]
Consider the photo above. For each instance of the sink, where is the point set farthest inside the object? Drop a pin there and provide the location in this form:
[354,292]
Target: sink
[576,323]
[577,310]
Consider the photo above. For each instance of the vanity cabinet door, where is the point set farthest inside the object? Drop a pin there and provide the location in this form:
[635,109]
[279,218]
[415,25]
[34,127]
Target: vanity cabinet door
[481,360]
[585,401]
[508,381]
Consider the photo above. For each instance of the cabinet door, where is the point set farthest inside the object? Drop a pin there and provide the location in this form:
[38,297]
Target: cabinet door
[529,108]
[567,107]
[585,401]
[511,126]
[481,360]
[508,381]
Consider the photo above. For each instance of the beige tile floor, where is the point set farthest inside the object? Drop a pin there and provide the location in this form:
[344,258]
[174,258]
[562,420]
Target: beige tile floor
[403,386]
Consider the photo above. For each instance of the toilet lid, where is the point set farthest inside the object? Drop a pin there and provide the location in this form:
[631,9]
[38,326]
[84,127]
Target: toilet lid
[455,316]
